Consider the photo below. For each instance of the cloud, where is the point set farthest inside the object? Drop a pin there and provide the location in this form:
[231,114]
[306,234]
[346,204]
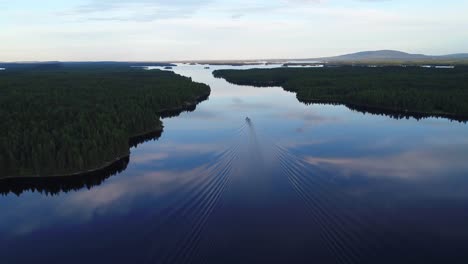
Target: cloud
[140,10]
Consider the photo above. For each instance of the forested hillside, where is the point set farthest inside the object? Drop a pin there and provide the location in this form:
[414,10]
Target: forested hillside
[439,92]
[66,120]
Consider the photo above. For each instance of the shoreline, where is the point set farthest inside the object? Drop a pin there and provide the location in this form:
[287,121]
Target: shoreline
[134,141]
[392,112]
[63,183]
[375,110]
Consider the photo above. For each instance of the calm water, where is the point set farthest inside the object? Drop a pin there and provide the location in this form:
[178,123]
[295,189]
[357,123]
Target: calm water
[296,184]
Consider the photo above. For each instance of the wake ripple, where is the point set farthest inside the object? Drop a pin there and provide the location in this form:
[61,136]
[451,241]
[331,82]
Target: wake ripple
[186,217]
[349,237]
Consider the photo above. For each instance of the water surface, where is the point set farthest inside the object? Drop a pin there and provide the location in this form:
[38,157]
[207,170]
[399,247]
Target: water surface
[296,184]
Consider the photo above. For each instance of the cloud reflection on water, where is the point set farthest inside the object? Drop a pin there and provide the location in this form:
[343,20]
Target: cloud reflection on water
[411,165]
[118,195]
[114,198]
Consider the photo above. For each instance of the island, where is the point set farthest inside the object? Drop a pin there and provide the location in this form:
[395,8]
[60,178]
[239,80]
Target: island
[394,90]
[73,120]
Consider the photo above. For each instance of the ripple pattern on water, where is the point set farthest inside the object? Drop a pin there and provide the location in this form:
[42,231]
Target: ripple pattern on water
[189,214]
[347,228]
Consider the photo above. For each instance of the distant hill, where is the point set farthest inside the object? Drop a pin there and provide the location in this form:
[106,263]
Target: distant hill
[392,56]
[455,56]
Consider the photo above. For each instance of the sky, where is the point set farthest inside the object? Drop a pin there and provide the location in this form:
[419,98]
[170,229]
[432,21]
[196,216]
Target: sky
[160,30]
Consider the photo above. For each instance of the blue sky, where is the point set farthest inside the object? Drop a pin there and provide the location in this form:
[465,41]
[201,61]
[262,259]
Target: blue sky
[152,30]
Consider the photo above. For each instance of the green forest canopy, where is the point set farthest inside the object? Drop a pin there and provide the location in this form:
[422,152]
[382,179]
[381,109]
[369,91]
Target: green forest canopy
[62,120]
[412,89]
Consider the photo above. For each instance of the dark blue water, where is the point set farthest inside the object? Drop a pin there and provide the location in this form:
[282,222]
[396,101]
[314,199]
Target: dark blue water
[296,184]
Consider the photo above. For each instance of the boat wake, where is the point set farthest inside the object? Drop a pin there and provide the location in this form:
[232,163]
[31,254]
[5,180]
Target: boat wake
[190,225]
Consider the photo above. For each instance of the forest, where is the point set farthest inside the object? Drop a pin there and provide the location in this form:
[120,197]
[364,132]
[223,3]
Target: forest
[65,119]
[427,91]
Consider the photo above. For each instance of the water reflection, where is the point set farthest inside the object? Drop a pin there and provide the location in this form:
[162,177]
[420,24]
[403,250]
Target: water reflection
[300,184]
[410,165]
[402,114]
[55,185]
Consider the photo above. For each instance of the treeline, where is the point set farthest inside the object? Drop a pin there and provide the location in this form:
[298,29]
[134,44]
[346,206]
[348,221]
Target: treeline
[56,185]
[55,65]
[65,120]
[438,92]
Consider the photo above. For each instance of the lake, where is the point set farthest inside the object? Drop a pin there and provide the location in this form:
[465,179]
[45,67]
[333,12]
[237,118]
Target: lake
[254,176]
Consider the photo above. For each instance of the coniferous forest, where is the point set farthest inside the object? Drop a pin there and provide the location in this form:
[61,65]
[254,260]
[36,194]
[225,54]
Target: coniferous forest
[64,120]
[426,91]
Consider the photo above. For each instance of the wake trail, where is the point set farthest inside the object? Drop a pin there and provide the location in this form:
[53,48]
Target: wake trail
[190,213]
[194,186]
[320,214]
[341,222]
[206,209]
[349,237]
[356,217]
